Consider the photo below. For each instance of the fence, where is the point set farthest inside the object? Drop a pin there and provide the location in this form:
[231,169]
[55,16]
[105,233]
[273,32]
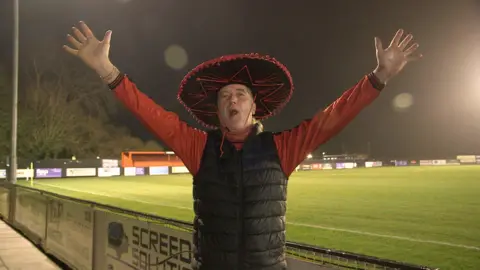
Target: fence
[88,235]
[312,164]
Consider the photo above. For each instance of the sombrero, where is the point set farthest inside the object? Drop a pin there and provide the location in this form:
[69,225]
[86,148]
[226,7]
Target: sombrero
[269,80]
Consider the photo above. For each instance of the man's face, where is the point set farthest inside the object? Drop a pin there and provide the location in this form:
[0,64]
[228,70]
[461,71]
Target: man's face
[235,107]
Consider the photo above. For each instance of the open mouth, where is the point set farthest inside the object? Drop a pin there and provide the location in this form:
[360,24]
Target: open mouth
[233,112]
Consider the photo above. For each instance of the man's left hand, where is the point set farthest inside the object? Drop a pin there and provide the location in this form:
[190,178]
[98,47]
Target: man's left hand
[392,60]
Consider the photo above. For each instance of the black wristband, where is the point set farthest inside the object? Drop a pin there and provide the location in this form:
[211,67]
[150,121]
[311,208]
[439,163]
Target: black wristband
[375,81]
[117,81]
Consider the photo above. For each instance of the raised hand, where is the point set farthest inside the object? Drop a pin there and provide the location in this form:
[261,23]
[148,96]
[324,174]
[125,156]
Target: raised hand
[90,50]
[392,60]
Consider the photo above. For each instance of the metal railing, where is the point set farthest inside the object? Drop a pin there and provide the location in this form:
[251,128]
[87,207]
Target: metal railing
[346,260]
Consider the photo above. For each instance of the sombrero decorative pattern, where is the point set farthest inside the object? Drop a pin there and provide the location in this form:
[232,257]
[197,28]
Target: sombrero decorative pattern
[269,80]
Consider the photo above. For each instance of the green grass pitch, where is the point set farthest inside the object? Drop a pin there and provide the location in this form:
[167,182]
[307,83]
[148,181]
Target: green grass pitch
[422,215]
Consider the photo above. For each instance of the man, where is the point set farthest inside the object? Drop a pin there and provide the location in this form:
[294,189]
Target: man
[240,173]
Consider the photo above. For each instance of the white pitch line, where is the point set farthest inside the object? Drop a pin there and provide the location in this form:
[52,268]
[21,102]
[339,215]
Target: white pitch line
[403,238]
[111,196]
[386,236]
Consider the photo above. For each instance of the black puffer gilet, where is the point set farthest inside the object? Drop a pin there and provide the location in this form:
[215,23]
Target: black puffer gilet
[240,205]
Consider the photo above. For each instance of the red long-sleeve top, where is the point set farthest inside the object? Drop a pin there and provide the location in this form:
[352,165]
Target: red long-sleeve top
[293,145]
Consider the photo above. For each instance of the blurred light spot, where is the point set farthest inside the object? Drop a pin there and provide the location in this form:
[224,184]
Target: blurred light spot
[402,102]
[176,57]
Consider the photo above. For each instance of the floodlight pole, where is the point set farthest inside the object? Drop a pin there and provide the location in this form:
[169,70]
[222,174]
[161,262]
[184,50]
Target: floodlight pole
[13,154]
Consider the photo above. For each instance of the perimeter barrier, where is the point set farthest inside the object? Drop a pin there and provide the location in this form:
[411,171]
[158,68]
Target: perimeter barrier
[88,235]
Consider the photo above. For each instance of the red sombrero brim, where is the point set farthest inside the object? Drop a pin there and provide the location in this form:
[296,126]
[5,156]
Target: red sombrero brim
[269,80]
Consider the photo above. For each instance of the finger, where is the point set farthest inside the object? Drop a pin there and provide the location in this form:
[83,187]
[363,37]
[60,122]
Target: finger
[405,42]
[396,38]
[107,37]
[79,35]
[414,57]
[70,50]
[411,49]
[74,42]
[86,30]
[378,44]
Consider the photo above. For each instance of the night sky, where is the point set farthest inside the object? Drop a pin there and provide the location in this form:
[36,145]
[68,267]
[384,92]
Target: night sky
[327,45]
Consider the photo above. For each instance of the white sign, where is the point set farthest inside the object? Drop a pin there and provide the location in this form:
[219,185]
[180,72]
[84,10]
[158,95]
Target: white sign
[179,169]
[439,162]
[31,211]
[327,166]
[70,233]
[24,173]
[107,172]
[3,173]
[426,162]
[467,158]
[350,165]
[72,172]
[371,164]
[306,167]
[110,163]
[158,170]
[130,171]
[128,243]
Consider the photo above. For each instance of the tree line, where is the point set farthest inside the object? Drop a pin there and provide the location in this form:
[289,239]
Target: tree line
[64,110]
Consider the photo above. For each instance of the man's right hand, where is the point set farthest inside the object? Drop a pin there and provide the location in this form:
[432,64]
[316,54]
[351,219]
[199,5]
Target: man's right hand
[91,51]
